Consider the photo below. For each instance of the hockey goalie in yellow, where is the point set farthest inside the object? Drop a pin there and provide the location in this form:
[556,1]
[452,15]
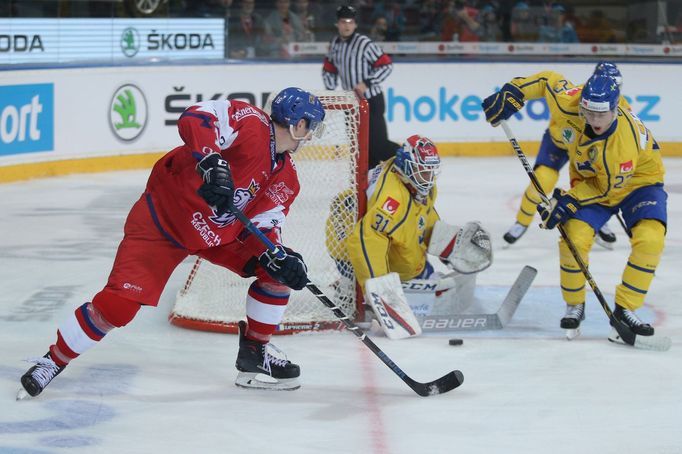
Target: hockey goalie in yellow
[615,165]
[389,244]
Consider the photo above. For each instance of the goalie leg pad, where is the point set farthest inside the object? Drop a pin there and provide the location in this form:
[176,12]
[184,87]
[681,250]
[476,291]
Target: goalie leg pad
[465,249]
[386,298]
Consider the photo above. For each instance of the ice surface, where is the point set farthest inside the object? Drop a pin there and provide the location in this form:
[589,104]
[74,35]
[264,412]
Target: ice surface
[152,387]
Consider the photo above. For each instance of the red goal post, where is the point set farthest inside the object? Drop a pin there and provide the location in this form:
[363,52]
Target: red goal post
[333,171]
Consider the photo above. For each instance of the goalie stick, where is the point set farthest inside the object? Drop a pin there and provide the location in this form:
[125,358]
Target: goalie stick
[475,322]
[446,383]
[660,343]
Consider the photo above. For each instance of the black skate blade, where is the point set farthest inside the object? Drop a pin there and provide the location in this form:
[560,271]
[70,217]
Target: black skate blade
[442,385]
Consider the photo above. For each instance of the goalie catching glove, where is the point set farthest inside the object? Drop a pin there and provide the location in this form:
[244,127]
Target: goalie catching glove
[218,188]
[465,249]
[289,270]
[385,296]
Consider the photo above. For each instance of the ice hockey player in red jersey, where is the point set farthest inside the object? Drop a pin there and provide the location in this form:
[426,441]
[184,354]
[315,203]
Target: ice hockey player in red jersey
[233,155]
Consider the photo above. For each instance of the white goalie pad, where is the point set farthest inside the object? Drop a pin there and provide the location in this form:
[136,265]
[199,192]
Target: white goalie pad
[386,298]
[464,249]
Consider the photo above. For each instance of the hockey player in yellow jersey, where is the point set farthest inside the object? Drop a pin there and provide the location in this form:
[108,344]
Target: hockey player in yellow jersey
[394,233]
[551,158]
[615,165]
[398,229]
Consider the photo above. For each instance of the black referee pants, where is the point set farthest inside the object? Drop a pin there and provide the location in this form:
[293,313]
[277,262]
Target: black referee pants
[380,148]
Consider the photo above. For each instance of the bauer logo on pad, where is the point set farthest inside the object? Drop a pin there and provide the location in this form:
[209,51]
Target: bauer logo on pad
[626,167]
[390,205]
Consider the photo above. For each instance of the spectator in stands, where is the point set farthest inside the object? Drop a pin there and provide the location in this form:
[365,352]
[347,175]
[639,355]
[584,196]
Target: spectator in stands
[207,8]
[558,29]
[596,29]
[459,21]
[523,27]
[282,26]
[246,29]
[429,19]
[379,29]
[490,29]
[395,18]
[311,17]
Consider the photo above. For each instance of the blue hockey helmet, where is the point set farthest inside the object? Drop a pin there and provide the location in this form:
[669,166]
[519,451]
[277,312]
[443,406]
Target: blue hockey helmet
[600,94]
[608,68]
[293,104]
[417,163]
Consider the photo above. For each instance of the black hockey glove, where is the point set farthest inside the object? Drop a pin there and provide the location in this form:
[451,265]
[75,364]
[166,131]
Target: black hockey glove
[218,188]
[502,104]
[290,270]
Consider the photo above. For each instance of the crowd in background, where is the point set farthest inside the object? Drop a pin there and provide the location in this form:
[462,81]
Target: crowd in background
[450,20]
[263,28]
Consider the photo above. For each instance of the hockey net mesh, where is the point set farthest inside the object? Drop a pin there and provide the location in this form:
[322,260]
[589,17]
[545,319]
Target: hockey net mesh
[332,171]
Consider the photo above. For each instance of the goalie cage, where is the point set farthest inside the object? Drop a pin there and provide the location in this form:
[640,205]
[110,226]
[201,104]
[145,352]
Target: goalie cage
[332,170]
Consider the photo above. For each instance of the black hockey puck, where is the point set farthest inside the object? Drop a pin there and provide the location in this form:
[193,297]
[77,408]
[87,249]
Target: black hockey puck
[455,341]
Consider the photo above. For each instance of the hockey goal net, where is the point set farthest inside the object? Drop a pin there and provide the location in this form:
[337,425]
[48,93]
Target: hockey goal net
[332,171]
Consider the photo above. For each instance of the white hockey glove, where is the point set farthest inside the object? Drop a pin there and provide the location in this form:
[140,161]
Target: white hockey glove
[464,249]
[386,298]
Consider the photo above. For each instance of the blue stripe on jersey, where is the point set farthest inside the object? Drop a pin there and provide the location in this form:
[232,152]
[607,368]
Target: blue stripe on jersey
[608,174]
[407,211]
[155,218]
[364,249]
[86,316]
[572,289]
[551,92]
[633,129]
[206,119]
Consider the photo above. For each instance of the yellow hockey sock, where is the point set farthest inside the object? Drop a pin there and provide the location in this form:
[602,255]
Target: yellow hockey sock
[572,278]
[647,241]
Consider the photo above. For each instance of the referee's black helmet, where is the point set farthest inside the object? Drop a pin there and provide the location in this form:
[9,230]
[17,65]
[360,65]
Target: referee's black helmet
[345,12]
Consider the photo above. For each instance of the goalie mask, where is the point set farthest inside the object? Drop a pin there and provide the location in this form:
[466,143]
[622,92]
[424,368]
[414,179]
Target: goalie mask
[418,164]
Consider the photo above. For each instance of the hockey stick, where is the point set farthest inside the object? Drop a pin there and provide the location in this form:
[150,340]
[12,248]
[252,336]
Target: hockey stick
[624,331]
[477,322]
[442,385]
[622,224]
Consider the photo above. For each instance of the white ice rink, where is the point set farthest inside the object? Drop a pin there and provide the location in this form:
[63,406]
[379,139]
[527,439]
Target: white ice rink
[152,387]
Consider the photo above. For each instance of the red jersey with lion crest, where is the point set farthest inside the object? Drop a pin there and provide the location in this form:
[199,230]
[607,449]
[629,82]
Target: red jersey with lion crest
[265,183]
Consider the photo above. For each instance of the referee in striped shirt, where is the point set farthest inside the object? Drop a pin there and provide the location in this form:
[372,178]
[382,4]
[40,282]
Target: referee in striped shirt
[362,67]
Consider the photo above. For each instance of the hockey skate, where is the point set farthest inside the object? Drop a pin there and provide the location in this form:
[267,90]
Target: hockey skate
[259,369]
[629,318]
[605,237]
[515,232]
[38,376]
[575,313]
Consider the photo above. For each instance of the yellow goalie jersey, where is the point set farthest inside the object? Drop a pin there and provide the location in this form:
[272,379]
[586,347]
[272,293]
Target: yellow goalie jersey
[606,169]
[394,233]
